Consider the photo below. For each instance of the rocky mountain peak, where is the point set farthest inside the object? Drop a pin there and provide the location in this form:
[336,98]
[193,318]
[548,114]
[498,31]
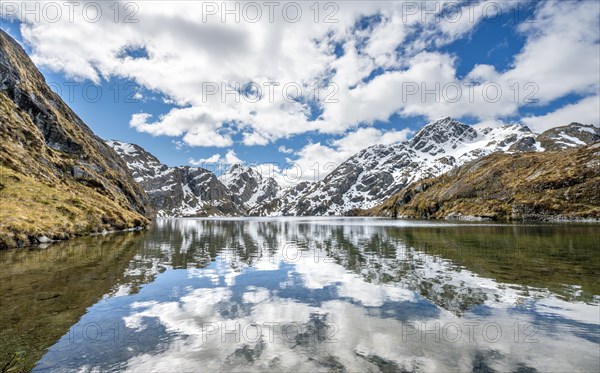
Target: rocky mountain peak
[177,191]
[194,191]
[440,134]
[572,135]
[132,151]
[249,185]
[140,162]
[239,170]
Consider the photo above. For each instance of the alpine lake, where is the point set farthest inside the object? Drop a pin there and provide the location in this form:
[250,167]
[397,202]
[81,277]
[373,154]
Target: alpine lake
[307,295]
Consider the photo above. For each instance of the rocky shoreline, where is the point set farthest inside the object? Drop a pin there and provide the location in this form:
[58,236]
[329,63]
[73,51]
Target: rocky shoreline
[42,242]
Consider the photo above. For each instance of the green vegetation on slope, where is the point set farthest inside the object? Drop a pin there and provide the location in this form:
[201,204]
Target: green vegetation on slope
[33,208]
[521,186]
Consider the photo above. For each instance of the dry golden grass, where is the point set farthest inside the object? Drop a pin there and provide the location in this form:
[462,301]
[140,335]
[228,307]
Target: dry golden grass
[33,208]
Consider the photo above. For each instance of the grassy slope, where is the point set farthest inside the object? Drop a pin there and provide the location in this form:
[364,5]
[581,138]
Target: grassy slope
[40,192]
[532,186]
[36,202]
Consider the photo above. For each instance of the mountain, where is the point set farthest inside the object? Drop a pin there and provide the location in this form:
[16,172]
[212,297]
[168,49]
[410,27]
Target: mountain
[558,138]
[193,191]
[250,186]
[57,179]
[361,182]
[178,191]
[573,135]
[553,185]
[377,172]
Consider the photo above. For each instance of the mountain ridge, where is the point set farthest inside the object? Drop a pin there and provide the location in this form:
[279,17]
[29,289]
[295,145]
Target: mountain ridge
[249,184]
[373,174]
[366,179]
[177,191]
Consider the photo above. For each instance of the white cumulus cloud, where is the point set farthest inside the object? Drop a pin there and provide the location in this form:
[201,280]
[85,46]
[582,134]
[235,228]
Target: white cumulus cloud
[230,158]
[254,83]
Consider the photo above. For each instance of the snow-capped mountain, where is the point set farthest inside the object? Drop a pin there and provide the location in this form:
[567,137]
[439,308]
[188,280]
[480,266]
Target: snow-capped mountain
[178,191]
[194,191]
[363,181]
[573,135]
[369,177]
[559,138]
[249,185]
[380,171]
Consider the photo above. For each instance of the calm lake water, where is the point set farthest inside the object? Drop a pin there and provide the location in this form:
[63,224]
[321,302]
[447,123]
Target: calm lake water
[307,295]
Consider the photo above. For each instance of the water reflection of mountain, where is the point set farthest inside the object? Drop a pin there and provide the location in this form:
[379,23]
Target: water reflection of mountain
[370,281]
[44,292]
[558,258]
[561,258]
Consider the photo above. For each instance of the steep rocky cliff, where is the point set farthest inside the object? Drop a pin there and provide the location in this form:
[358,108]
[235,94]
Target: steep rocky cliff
[57,179]
[250,186]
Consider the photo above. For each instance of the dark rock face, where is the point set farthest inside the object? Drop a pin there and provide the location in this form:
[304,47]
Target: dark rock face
[69,148]
[526,144]
[178,191]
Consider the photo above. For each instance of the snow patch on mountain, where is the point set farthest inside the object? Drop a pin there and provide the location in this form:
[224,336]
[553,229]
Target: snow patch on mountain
[573,135]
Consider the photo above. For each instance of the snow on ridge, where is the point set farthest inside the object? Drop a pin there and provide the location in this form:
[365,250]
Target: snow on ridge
[364,180]
[587,129]
[122,148]
[248,184]
[379,171]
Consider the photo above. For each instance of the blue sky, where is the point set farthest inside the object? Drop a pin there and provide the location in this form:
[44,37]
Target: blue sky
[154,80]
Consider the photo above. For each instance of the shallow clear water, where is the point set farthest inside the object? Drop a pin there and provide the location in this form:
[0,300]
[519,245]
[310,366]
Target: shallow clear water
[307,295]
